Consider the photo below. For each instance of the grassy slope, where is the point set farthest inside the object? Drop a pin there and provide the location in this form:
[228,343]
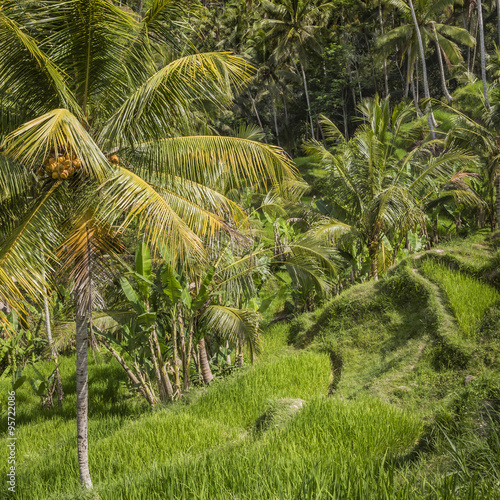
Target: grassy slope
[400,422]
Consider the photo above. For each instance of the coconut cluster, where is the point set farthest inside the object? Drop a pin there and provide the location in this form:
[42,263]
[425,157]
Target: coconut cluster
[60,166]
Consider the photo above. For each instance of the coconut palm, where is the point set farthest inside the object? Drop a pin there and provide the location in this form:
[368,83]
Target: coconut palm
[89,94]
[294,26]
[380,180]
[421,28]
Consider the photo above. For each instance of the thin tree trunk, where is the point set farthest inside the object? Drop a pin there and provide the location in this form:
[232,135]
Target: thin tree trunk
[275,118]
[204,365]
[185,367]
[307,99]
[177,383]
[386,74]
[254,105]
[430,119]
[163,371]
[128,371]
[441,66]
[344,113]
[498,198]
[498,21]
[159,381]
[144,384]
[53,350]
[187,380]
[482,50]
[82,394]
[474,54]
[435,235]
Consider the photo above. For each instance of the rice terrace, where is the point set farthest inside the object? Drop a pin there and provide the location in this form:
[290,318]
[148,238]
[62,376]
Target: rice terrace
[249,250]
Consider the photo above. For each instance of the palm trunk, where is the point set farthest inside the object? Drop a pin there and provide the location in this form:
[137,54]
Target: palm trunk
[304,79]
[185,366]
[275,118]
[498,199]
[254,105]
[177,383]
[430,119]
[373,255]
[187,380]
[435,235]
[53,350]
[482,50]
[441,66]
[206,372]
[386,74]
[498,21]
[82,394]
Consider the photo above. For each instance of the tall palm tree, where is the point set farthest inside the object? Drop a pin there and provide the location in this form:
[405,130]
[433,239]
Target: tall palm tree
[422,27]
[88,84]
[379,180]
[293,25]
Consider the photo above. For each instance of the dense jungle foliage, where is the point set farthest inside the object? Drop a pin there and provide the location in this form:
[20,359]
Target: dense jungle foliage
[189,188]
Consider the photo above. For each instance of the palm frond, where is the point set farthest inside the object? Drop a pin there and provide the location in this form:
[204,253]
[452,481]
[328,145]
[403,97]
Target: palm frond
[162,105]
[30,143]
[234,324]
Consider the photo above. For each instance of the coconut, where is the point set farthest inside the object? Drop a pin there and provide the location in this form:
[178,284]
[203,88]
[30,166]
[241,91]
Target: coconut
[52,161]
[55,175]
[71,170]
[114,159]
[64,174]
[77,163]
[61,159]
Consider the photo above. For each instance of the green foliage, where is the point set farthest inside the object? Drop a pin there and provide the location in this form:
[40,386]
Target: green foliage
[468,297]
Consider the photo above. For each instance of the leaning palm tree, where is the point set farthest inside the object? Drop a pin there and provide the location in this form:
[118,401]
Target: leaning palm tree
[379,181]
[95,124]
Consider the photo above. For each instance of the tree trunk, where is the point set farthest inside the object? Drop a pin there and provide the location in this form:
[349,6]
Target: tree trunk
[372,250]
[441,66]
[182,338]
[53,350]
[254,105]
[163,371]
[430,119]
[177,382]
[309,111]
[206,372]
[498,21]
[482,50]
[82,394]
[386,74]
[159,381]
[143,390]
[435,235]
[189,350]
[498,198]
[275,118]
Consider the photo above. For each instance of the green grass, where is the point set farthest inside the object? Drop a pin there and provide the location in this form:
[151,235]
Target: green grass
[400,424]
[468,297]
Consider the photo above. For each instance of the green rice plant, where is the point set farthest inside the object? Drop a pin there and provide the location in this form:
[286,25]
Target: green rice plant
[468,297]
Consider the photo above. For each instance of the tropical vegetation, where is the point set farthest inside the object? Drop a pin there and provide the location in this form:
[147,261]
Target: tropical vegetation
[232,216]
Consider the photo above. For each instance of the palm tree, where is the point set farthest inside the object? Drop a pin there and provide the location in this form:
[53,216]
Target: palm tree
[293,25]
[482,51]
[87,84]
[421,28]
[379,180]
